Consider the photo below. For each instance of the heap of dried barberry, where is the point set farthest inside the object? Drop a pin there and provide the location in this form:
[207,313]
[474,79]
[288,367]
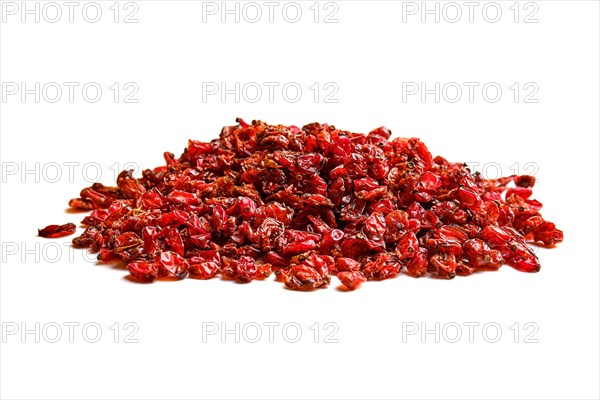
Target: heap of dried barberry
[306,203]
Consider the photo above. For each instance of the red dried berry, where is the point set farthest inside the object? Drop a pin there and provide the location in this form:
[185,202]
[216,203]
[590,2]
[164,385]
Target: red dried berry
[303,277]
[526,181]
[352,279]
[306,203]
[142,271]
[174,264]
[343,264]
[55,231]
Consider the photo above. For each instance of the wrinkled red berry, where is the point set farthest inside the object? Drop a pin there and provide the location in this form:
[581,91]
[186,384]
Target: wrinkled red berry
[246,269]
[142,271]
[346,264]
[478,254]
[174,264]
[306,203]
[55,231]
[352,279]
[303,277]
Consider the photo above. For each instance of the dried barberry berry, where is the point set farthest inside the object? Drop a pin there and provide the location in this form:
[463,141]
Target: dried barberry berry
[54,231]
[307,203]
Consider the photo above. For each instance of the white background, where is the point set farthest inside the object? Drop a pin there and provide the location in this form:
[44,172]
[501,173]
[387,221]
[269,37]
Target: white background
[368,54]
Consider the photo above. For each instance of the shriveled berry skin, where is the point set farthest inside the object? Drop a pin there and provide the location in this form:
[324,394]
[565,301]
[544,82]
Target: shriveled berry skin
[407,246]
[344,264]
[143,271]
[417,266]
[384,266]
[444,264]
[263,271]
[55,231]
[352,279]
[174,264]
[205,265]
[303,277]
[305,203]
[478,254]
[246,269]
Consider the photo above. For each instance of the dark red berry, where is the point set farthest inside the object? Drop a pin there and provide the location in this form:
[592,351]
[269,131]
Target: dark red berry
[306,203]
